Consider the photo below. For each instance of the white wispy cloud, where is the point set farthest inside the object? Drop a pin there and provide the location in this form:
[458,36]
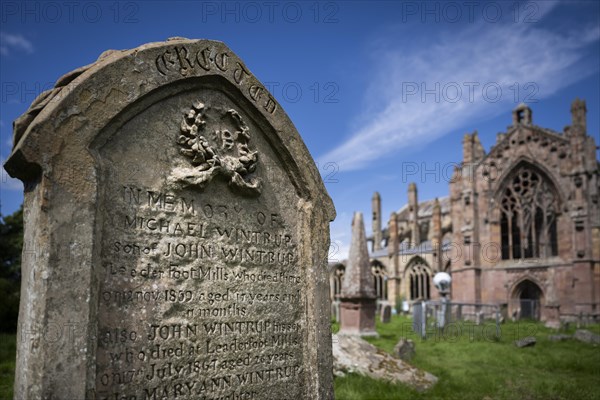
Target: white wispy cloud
[10,42]
[496,55]
[340,238]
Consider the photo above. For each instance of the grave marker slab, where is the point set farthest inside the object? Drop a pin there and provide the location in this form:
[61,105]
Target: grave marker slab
[180,230]
[386,313]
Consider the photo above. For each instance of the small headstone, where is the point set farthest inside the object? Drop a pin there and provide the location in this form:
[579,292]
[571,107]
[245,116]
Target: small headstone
[386,313]
[335,311]
[405,349]
[479,318]
[459,312]
[583,335]
[514,315]
[552,324]
[525,342]
[180,229]
[559,337]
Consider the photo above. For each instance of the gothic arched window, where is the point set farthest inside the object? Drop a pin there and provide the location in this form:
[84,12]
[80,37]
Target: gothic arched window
[379,280]
[529,207]
[419,280]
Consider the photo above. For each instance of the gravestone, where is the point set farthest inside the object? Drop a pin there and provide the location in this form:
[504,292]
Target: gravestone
[404,349]
[583,335]
[478,317]
[386,313]
[335,311]
[176,235]
[559,337]
[526,342]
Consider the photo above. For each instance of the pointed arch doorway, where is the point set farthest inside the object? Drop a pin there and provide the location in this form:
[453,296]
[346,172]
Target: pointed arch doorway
[527,297]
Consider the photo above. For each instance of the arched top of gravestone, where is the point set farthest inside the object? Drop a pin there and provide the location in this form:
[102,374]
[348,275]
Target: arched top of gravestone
[72,116]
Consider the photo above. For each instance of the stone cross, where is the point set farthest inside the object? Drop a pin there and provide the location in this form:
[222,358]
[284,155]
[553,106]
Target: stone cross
[181,231]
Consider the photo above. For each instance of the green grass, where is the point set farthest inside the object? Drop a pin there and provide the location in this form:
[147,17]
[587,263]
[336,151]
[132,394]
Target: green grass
[472,364]
[8,348]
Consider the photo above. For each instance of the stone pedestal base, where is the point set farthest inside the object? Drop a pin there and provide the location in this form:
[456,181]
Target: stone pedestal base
[357,317]
[551,316]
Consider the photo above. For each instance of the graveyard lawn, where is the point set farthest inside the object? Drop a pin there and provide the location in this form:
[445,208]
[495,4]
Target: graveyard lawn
[481,369]
[8,349]
[471,364]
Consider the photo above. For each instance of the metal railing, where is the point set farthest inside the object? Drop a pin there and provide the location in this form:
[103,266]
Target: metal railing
[436,316]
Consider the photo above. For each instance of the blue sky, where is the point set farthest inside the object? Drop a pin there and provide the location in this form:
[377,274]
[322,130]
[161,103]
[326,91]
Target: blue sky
[381,92]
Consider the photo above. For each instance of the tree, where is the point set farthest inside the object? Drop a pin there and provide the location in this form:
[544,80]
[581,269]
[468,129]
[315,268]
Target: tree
[11,246]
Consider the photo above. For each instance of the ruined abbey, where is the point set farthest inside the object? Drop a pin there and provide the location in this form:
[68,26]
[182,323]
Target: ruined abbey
[520,227]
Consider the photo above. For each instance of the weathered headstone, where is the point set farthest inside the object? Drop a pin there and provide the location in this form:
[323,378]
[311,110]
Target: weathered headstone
[405,349]
[176,233]
[358,302]
[583,335]
[478,317]
[386,313]
[335,311]
[559,337]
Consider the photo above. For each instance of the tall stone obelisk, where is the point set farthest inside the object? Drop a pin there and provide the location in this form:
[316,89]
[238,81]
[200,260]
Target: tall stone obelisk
[358,300]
